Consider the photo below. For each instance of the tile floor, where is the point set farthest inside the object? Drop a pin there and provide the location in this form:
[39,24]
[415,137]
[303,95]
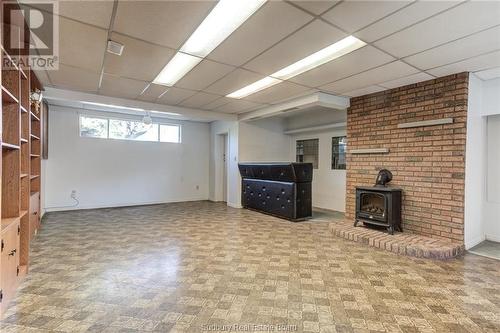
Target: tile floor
[194,267]
[488,249]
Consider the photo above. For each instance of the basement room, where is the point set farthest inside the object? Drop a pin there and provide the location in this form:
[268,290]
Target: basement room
[250,166]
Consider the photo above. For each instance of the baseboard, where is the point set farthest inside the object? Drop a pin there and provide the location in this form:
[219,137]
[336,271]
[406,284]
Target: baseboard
[474,242]
[233,205]
[117,205]
[493,238]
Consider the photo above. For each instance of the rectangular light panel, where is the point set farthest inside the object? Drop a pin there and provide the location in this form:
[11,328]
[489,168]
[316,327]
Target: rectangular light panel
[224,18]
[314,60]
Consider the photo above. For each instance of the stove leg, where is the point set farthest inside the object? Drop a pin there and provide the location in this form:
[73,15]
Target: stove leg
[390,230]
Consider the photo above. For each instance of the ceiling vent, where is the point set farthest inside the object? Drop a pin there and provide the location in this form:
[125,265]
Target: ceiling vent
[115,47]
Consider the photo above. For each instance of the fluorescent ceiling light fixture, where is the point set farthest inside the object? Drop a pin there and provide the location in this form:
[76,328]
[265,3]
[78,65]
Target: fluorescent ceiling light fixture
[113,106]
[225,18]
[319,58]
[254,87]
[166,113]
[176,68]
[314,60]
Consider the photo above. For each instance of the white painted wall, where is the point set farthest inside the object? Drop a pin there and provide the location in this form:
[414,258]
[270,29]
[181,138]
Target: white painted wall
[107,173]
[482,189]
[475,177]
[492,206]
[263,141]
[329,186]
[234,180]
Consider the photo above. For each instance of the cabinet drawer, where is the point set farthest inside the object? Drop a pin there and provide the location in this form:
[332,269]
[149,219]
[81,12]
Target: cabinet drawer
[9,263]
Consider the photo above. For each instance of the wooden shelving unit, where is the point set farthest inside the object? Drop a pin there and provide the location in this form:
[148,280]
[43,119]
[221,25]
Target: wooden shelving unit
[20,165]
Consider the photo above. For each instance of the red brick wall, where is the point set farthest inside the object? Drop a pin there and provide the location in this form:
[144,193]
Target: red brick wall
[427,162]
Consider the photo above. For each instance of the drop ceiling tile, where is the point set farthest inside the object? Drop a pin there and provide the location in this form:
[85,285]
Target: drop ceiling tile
[152,92]
[238,106]
[74,78]
[276,93]
[479,43]
[218,103]
[478,63]
[355,62]
[139,60]
[233,81]
[96,13]
[204,74]
[313,37]
[81,45]
[121,87]
[316,7]
[354,15]
[457,22]
[272,22]
[167,23]
[364,91]
[489,74]
[199,100]
[414,78]
[403,18]
[175,95]
[392,71]
[92,12]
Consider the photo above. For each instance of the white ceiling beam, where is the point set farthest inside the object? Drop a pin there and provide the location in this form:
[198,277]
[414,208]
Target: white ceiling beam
[54,94]
[319,98]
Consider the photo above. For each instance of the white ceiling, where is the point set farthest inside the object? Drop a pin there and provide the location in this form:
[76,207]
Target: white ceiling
[408,42]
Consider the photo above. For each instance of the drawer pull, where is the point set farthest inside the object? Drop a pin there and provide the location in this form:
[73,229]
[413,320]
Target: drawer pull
[13,252]
[34,213]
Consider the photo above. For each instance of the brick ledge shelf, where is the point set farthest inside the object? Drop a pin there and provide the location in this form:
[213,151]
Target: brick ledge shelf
[400,243]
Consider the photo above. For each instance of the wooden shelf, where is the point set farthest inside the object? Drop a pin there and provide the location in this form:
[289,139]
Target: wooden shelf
[23,140]
[23,109]
[23,74]
[23,212]
[9,146]
[34,177]
[8,97]
[33,136]
[24,175]
[10,58]
[7,222]
[34,155]
[34,116]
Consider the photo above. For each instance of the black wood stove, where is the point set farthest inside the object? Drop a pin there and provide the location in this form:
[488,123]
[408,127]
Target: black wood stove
[379,205]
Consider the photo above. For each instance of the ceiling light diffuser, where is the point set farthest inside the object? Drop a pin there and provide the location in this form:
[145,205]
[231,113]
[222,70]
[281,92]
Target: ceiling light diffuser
[314,60]
[176,68]
[254,87]
[319,58]
[225,18]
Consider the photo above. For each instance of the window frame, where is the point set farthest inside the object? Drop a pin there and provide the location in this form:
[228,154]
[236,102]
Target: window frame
[159,123]
[318,157]
[345,152]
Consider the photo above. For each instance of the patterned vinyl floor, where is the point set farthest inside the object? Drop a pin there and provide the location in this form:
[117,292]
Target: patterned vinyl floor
[204,267]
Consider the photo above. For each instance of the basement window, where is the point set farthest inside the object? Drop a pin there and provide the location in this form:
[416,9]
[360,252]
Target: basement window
[339,145]
[307,151]
[126,129]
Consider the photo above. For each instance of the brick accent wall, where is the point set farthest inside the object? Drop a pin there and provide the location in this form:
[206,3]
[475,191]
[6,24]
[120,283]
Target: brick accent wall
[427,162]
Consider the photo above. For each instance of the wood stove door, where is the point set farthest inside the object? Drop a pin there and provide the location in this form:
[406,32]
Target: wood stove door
[372,206]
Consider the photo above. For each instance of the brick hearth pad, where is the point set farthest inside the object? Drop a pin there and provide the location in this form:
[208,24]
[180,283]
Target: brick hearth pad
[400,243]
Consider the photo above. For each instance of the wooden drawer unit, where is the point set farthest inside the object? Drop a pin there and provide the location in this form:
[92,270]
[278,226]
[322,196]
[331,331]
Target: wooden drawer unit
[9,263]
[34,212]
